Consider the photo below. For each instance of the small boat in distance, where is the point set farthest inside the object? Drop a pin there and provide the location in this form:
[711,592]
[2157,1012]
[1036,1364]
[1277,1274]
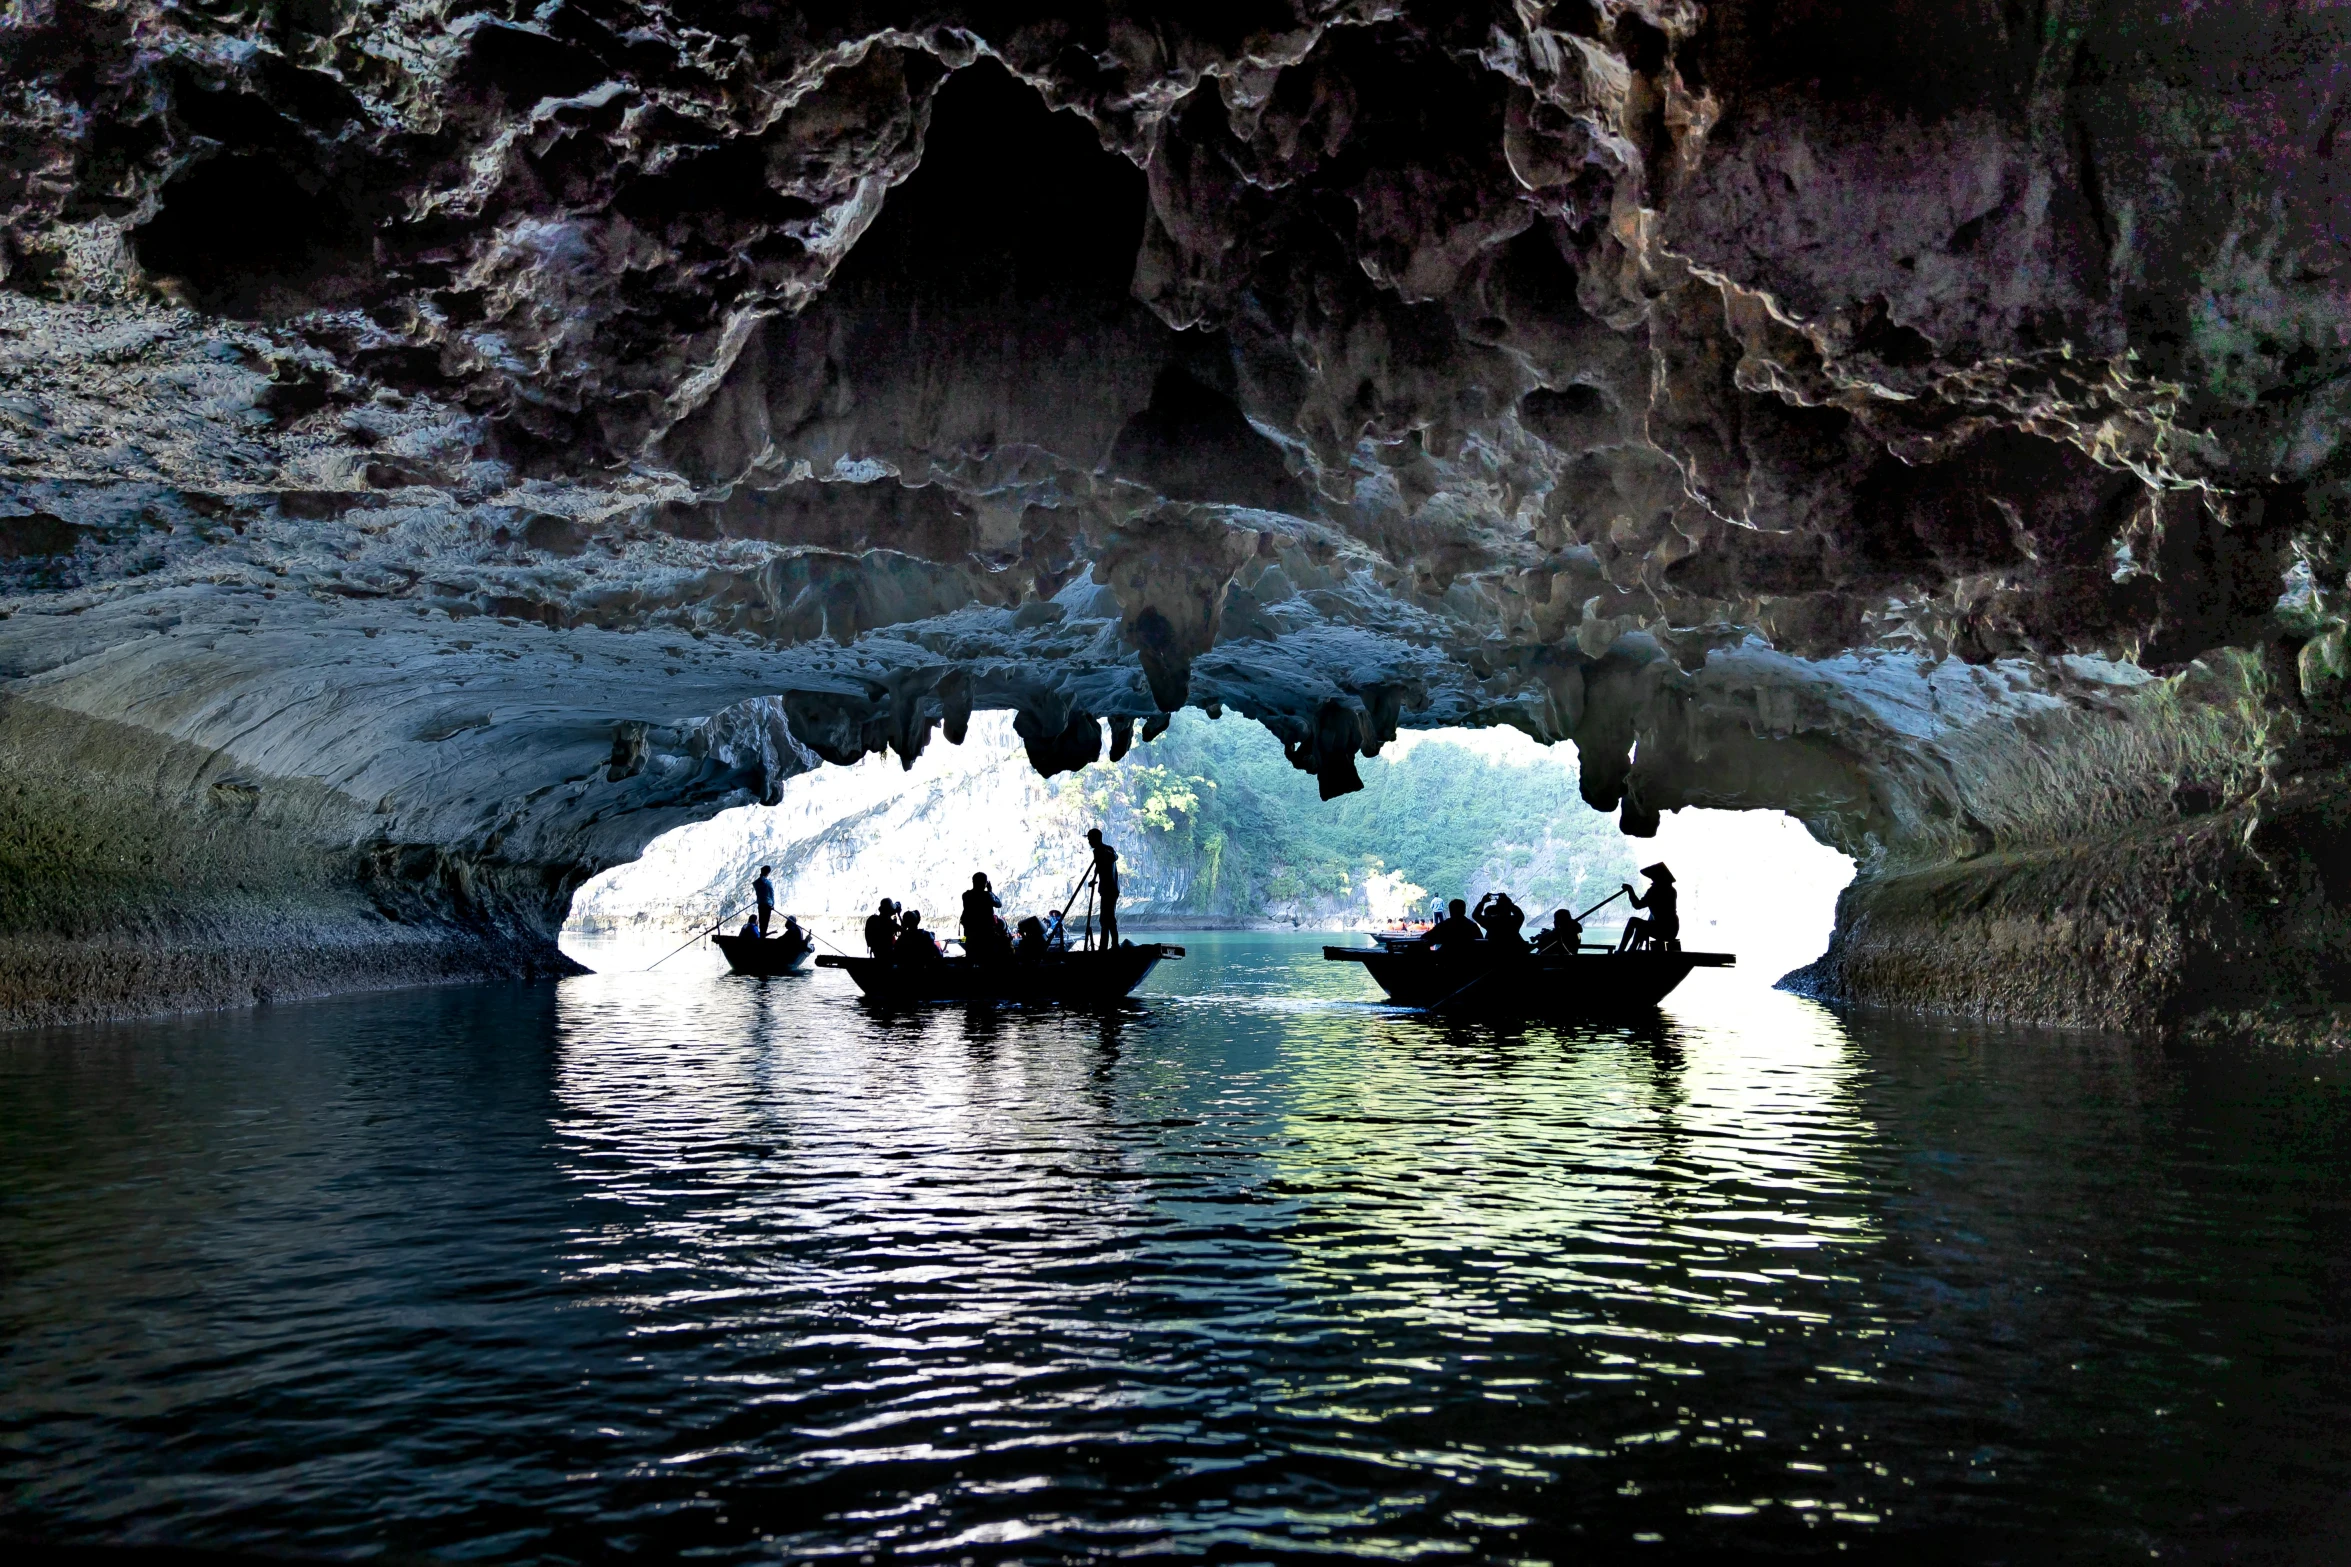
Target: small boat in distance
[1592,983]
[1082,979]
[765,955]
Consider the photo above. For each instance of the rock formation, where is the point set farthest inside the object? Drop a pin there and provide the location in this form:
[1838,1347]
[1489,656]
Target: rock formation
[445,446]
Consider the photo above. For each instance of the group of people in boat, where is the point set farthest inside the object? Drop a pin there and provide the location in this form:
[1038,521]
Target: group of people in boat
[1497,926]
[762,920]
[896,934]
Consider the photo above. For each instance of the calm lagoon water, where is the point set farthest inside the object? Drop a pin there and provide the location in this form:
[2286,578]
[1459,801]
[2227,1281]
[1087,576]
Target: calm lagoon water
[655,1265]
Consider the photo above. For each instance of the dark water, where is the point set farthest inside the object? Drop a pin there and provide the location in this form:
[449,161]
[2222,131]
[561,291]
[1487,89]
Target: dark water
[655,1266]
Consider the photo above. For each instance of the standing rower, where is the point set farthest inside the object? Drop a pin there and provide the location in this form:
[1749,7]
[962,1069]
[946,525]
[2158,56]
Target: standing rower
[763,892]
[1106,878]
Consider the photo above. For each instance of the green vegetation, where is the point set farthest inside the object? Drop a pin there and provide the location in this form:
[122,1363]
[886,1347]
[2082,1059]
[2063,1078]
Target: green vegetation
[1215,823]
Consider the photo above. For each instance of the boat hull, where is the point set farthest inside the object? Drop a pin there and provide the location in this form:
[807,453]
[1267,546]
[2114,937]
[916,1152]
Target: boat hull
[1074,979]
[765,955]
[1590,984]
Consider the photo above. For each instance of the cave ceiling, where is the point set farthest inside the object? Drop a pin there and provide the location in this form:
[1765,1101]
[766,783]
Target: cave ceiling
[613,406]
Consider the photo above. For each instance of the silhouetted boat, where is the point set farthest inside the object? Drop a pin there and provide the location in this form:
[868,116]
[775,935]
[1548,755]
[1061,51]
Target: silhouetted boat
[1073,979]
[765,954]
[1593,983]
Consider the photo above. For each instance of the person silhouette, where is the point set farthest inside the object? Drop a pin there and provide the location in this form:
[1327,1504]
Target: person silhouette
[1031,942]
[982,936]
[914,944]
[1664,924]
[1562,938]
[1501,918]
[763,892]
[881,930]
[1106,881]
[1453,934]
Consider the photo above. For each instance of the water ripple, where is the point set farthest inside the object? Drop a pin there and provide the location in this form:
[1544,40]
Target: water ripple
[1260,1269]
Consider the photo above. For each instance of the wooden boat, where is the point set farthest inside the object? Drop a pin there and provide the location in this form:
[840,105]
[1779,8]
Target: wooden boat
[1596,982]
[768,955]
[1071,979]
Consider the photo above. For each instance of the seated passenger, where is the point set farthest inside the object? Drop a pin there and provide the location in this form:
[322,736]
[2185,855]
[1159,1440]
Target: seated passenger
[881,930]
[914,944]
[1502,919]
[1663,927]
[792,934]
[1056,934]
[1454,933]
[1564,938]
[1031,944]
[751,926]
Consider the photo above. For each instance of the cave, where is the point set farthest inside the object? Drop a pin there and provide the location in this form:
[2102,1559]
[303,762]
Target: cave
[444,453]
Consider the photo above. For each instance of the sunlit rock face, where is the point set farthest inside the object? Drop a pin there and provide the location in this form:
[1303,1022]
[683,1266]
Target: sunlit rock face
[446,447]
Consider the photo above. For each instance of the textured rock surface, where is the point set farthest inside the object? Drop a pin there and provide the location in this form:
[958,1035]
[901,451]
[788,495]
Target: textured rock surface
[469,441]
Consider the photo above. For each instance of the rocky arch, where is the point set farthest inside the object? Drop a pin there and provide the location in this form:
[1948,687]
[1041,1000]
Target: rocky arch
[1933,430]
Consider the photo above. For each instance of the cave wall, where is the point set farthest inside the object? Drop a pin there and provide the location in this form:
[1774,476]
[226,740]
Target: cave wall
[468,440]
[143,876]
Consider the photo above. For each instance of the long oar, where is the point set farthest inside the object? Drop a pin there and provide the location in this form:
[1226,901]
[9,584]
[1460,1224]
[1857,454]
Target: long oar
[1466,989]
[1071,901]
[1091,867]
[697,936]
[1597,907]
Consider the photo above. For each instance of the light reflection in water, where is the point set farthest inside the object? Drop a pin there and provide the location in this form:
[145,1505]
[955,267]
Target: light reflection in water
[654,1265]
[1217,1234]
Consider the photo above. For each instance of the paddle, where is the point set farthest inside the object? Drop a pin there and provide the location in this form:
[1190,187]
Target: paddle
[1597,907]
[1088,876]
[1466,989]
[697,936]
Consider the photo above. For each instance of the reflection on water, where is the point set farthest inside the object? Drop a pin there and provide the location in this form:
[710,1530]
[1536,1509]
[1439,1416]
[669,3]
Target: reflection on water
[644,1264]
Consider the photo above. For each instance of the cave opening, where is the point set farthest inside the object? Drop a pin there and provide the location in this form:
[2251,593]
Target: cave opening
[1217,831]
[246,235]
[1012,199]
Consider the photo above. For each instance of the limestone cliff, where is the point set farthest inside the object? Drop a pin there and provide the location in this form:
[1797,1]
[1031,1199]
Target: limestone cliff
[441,446]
